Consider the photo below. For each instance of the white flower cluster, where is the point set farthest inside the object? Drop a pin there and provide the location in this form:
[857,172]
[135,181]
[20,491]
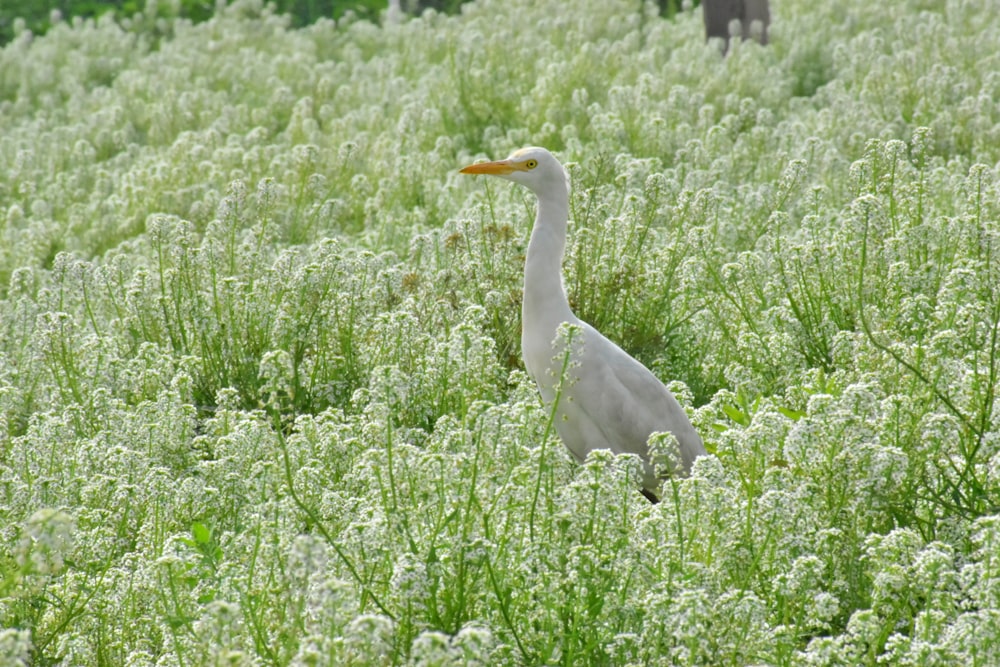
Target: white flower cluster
[261,397]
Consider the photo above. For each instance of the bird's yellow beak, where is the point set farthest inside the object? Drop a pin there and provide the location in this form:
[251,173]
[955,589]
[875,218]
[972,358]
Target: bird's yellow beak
[496,168]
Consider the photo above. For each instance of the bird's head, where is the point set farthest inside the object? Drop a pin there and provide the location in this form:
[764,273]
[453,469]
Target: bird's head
[532,167]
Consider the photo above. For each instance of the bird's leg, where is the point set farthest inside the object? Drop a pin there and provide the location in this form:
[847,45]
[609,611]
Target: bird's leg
[650,496]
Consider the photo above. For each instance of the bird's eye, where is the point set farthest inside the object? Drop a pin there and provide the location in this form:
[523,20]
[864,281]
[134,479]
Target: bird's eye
[531,164]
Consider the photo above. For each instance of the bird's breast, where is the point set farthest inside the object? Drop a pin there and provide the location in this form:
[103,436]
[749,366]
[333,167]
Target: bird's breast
[544,355]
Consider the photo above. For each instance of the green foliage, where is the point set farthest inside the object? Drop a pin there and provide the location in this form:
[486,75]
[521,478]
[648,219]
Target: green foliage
[261,397]
[18,15]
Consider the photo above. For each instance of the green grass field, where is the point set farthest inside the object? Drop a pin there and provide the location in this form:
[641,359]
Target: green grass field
[261,396]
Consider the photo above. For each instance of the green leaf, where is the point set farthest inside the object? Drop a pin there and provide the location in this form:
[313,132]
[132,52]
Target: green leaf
[794,415]
[202,534]
[736,415]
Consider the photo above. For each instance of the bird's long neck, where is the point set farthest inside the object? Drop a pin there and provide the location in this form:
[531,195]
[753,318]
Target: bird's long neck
[545,304]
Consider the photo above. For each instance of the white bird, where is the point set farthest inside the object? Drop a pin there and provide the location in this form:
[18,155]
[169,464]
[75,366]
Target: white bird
[611,401]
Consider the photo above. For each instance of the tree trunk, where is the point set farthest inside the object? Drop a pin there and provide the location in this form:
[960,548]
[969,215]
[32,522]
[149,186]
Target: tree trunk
[753,17]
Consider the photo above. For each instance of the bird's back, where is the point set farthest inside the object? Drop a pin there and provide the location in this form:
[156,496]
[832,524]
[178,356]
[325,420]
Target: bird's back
[611,401]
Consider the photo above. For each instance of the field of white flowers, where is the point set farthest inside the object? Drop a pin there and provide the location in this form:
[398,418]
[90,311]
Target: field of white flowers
[261,398]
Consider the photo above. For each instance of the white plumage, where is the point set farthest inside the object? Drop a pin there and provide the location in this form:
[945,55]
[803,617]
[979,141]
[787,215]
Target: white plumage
[609,400]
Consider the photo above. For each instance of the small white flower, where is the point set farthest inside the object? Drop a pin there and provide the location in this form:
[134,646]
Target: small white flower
[46,539]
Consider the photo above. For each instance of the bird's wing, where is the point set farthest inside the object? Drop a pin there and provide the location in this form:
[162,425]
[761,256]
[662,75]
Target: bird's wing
[625,402]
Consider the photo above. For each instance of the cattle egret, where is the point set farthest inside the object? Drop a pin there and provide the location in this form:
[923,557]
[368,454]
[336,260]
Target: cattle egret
[610,401]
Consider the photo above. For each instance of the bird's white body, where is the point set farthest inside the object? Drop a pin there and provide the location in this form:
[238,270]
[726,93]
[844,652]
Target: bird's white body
[608,399]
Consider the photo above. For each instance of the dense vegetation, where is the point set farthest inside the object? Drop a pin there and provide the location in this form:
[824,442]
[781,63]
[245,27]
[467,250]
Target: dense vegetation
[38,17]
[261,399]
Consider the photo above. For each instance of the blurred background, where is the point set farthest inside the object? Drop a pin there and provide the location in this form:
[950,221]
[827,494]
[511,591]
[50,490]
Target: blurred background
[37,15]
